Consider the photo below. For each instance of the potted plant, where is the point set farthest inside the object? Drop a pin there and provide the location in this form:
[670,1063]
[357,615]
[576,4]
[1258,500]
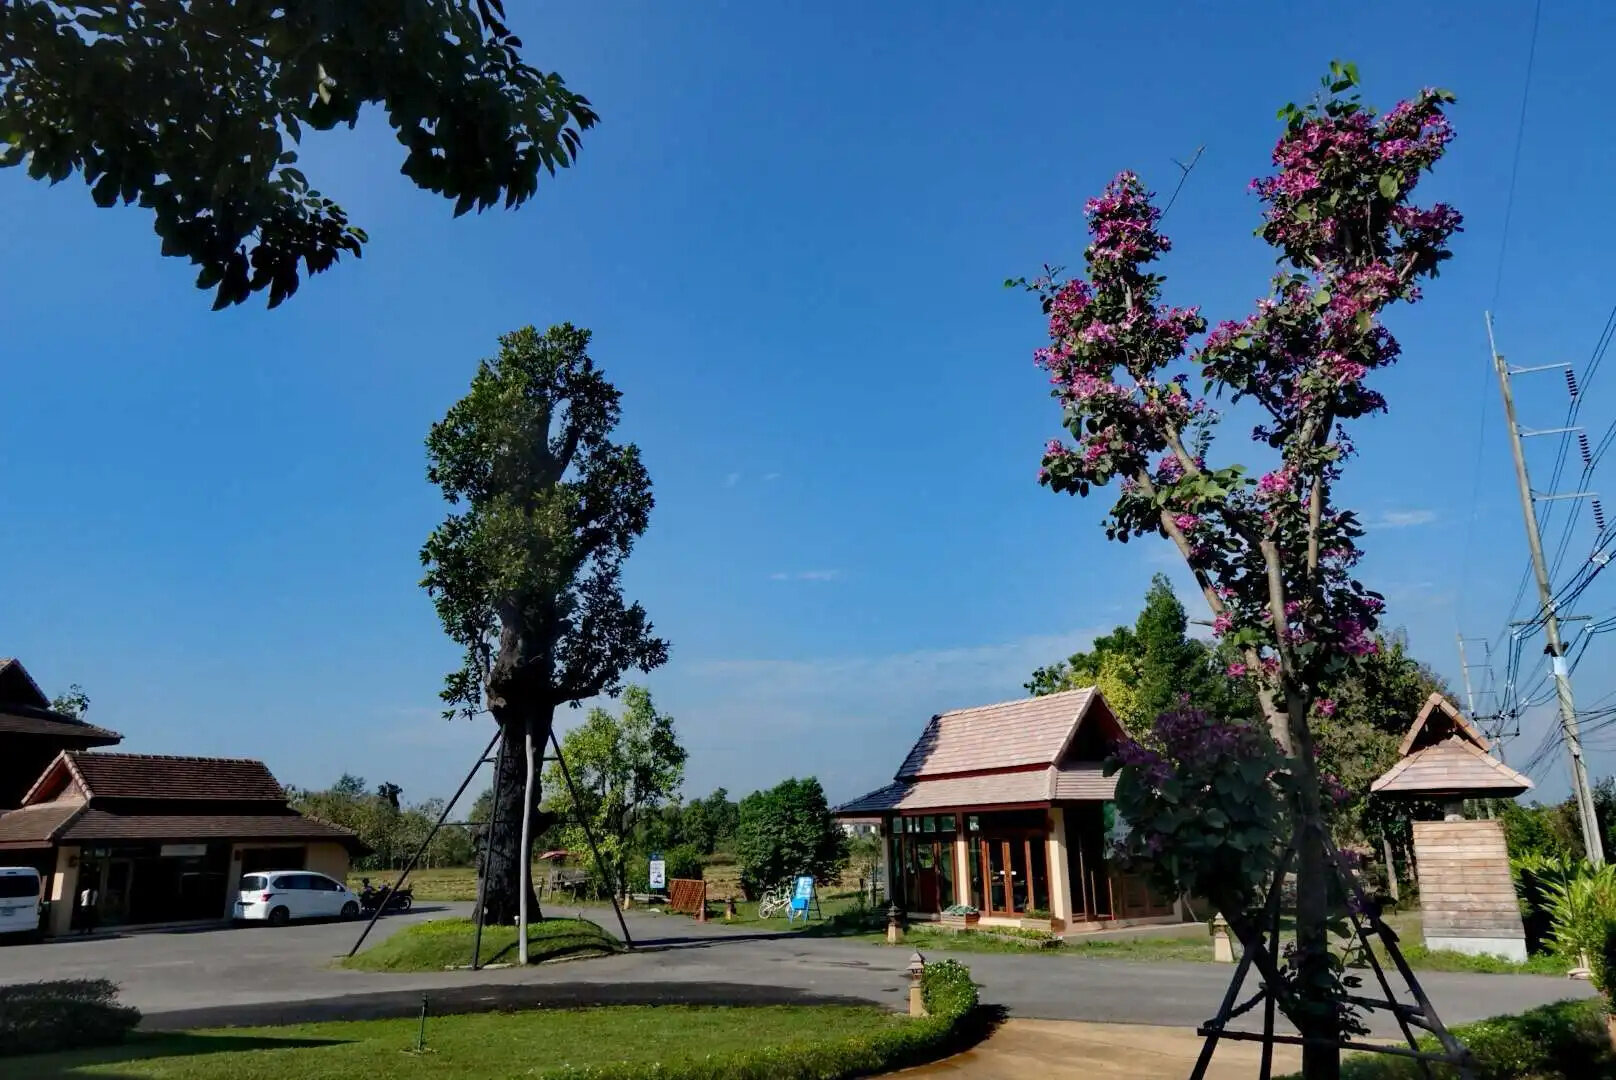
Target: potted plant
[961,917]
[1037,919]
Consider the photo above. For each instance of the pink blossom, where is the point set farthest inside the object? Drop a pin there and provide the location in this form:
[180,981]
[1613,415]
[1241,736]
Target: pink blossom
[1326,707]
[1236,670]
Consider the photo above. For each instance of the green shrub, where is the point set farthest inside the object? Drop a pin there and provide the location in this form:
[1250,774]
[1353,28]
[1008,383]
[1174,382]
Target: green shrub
[685,861]
[951,1001]
[947,989]
[1564,1041]
[1580,909]
[41,1017]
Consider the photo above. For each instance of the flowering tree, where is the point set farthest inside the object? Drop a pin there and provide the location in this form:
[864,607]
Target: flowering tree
[1273,554]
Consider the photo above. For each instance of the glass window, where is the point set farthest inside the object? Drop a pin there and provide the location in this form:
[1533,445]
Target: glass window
[321,883]
[292,882]
[254,883]
[15,886]
[928,824]
[946,823]
[975,860]
[973,823]
[945,874]
[998,876]
[1039,897]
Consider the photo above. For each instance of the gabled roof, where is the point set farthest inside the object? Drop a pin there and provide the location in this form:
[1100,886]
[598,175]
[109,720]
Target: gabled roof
[153,776]
[25,710]
[1439,718]
[17,687]
[1010,735]
[1455,767]
[1014,753]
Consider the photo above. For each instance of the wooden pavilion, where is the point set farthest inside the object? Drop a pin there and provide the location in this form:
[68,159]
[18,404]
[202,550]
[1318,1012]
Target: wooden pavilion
[1466,892]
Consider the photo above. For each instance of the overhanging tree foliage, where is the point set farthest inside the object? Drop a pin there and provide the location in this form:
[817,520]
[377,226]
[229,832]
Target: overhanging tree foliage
[526,573]
[623,769]
[1274,556]
[191,108]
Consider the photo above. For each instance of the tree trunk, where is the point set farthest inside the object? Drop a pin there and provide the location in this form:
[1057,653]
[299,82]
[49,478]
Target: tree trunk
[502,860]
[1316,984]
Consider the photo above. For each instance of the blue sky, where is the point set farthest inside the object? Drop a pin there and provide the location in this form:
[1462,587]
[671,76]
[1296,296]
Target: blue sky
[789,235]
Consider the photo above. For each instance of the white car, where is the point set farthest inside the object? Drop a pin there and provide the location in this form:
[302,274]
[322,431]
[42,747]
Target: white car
[279,896]
[19,900]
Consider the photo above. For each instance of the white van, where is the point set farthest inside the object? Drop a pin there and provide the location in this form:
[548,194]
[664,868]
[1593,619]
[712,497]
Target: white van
[19,900]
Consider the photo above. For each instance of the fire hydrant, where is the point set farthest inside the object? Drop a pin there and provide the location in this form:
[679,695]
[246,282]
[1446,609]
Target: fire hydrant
[917,978]
[894,925]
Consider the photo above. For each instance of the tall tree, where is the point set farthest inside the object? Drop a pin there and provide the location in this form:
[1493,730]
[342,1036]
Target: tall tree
[192,109]
[1147,669]
[1274,556]
[526,572]
[622,769]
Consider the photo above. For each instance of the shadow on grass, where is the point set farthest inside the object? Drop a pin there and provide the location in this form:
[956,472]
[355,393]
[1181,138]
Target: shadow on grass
[143,1047]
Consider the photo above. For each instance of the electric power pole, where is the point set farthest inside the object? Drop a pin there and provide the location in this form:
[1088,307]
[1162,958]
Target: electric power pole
[1551,619]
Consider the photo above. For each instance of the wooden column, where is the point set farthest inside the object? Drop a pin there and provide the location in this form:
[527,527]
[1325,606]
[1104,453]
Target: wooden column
[1060,878]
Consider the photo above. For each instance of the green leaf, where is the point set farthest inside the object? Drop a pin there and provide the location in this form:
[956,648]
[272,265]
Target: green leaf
[1388,185]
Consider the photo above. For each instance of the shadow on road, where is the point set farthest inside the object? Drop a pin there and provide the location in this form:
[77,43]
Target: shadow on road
[497,997]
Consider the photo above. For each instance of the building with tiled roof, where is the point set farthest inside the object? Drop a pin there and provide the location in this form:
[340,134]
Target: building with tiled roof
[1004,809]
[155,838]
[31,733]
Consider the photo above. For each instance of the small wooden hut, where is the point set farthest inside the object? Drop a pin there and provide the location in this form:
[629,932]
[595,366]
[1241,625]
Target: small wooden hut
[1466,893]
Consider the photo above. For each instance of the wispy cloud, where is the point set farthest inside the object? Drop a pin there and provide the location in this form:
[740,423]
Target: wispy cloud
[847,719]
[1400,519]
[805,575]
[771,476]
[731,479]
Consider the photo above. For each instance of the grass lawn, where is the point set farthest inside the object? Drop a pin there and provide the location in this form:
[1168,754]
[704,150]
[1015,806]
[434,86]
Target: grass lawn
[442,943]
[837,909]
[484,1046]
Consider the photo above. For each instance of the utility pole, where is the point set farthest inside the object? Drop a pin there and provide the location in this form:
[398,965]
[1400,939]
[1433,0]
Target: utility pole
[1551,619]
[1470,695]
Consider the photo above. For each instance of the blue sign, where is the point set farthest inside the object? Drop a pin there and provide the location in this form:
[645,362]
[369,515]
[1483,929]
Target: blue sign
[801,895]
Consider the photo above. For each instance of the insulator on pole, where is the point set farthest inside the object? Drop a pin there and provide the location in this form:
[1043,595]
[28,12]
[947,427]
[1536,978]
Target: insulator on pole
[1571,382]
[1582,445]
[1599,515]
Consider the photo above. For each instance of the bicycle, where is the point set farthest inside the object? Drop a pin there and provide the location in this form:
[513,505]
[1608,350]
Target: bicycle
[774,901]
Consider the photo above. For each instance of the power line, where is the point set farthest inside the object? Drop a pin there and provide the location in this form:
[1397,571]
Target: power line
[1515,162]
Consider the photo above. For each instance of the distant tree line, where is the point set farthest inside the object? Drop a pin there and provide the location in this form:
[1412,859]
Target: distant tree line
[388,825]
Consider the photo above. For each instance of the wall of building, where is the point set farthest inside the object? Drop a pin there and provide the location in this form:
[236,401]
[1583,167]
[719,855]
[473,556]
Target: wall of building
[64,887]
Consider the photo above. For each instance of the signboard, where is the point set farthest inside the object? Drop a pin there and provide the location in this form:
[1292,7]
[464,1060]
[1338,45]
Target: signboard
[659,871]
[802,895]
[182,851]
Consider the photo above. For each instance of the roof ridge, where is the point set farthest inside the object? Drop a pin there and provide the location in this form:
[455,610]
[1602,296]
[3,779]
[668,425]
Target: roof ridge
[162,757]
[1014,701]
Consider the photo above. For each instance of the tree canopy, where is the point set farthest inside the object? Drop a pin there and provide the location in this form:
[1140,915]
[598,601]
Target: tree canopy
[72,702]
[788,830]
[192,109]
[526,571]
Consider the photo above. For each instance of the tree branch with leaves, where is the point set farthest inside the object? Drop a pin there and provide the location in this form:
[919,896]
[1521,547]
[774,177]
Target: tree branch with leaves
[1274,556]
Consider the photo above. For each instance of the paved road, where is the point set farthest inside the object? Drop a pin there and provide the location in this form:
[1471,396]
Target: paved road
[263,975]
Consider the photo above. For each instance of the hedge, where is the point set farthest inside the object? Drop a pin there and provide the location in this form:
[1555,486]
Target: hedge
[953,1021]
[1564,1041]
[37,1018]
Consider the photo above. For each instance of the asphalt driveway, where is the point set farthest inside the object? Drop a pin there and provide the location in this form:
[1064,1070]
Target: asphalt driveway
[263,975]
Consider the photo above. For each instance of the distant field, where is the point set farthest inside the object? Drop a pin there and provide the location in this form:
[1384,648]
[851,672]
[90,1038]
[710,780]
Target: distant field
[460,882]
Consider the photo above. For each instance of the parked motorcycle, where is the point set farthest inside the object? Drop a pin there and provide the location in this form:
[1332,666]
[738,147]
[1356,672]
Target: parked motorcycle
[385,897]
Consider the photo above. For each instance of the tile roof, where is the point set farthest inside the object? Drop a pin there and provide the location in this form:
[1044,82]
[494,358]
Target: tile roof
[1455,766]
[152,776]
[23,720]
[1084,780]
[33,826]
[103,825]
[1031,731]
[1074,782]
